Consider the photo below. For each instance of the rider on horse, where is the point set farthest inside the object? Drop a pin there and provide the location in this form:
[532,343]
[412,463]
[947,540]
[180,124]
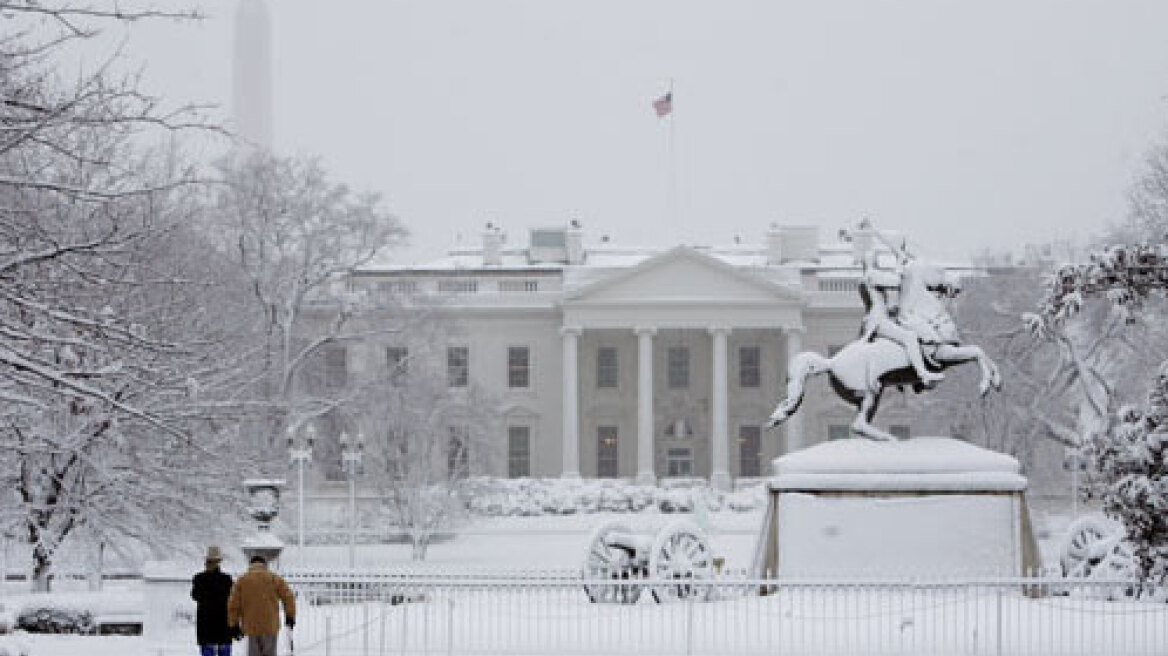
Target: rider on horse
[875,283]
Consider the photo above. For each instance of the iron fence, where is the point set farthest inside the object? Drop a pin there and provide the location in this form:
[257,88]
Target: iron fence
[551,612]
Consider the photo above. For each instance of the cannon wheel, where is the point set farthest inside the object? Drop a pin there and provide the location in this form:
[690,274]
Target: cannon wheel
[1094,547]
[604,561]
[681,553]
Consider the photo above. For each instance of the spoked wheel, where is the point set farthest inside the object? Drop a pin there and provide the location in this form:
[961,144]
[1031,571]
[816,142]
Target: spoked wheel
[680,557]
[1093,548]
[605,560]
[1120,564]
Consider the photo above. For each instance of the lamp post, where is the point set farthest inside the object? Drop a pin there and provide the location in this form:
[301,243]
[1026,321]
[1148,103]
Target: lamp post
[300,452]
[351,450]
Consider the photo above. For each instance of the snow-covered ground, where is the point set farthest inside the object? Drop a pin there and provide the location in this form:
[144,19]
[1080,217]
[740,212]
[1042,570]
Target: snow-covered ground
[544,542]
[52,645]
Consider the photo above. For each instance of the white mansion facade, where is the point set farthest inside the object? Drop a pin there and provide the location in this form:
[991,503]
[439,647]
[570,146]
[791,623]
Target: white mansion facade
[644,363]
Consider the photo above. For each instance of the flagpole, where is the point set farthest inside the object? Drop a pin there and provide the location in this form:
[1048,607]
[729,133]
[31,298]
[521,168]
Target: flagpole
[672,204]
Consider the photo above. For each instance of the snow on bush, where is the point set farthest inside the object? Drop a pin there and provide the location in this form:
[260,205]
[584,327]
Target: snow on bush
[1130,475]
[48,617]
[522,497]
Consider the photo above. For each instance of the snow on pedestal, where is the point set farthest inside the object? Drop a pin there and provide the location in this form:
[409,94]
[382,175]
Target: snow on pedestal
[925,507]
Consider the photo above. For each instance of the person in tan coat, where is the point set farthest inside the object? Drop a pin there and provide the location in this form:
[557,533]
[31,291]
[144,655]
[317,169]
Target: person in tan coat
[253,609]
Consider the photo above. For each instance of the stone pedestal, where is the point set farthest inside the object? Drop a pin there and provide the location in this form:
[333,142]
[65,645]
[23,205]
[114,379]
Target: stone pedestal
[265,545]
[929,507]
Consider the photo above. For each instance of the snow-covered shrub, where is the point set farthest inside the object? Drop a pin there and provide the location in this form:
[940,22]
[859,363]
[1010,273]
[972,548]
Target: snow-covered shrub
[499,497]
[675,500]
[747,499]
[45,617]
[1130,476]
[640,497]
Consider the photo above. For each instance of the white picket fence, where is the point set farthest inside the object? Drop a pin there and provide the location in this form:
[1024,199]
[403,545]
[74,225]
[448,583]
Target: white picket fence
[441,612]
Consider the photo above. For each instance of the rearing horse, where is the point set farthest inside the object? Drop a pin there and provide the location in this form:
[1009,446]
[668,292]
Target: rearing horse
[863,369]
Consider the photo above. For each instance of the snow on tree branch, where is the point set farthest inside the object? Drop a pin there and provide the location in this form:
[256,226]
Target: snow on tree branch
[1125,275]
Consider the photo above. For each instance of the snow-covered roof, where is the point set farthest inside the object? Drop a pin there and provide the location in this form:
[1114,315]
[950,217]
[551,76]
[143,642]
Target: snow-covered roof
[834,255]
[604,257]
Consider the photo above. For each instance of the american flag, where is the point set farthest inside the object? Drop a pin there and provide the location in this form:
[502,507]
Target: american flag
[663,105]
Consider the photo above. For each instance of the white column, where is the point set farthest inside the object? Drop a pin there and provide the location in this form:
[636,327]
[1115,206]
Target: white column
[645,474]
[794,424]
[571,390]
[719,437]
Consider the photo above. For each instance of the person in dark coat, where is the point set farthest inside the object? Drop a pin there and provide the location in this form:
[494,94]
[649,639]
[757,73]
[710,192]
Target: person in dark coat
[210,589]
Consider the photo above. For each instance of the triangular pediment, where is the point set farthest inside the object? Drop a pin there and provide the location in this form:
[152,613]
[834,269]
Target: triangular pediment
[683,274]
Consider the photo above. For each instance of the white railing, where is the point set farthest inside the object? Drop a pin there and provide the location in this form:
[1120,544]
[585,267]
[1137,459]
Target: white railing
[469,612]
[839,285]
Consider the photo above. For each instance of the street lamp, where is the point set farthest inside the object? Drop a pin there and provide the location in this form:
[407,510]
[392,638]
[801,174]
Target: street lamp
[300,452]
[351,450]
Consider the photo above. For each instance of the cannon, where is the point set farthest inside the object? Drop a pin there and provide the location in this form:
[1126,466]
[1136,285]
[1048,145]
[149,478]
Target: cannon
[667,562]
[1095,548]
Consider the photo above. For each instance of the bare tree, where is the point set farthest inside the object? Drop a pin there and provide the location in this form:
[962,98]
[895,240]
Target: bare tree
[106,336]
[294,236]
[427,435]
[1062,388]
[1128,462]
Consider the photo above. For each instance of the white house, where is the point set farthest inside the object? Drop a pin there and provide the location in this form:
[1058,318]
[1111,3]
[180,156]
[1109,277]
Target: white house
[642,363]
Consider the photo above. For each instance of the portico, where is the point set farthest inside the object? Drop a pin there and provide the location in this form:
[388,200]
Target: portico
[666,310]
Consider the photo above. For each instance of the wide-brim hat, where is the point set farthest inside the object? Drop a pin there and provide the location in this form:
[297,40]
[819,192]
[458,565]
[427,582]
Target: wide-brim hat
[214,554]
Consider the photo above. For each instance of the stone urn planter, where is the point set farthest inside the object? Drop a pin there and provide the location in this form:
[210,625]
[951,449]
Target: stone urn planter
[263,506]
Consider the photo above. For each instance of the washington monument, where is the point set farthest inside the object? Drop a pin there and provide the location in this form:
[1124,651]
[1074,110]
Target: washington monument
[252,92]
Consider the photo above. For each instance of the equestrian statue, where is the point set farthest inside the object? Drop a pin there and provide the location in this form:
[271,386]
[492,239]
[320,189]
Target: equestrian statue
[909,342]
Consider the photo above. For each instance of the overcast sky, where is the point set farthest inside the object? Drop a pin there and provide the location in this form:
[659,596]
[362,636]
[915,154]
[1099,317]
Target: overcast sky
[965,124]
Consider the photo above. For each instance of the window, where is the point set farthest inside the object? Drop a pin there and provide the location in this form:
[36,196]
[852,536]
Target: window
[389,288]
[397,454]
[547,238]
[749,366]
[518,451]
[518,366]
[677,360]
[458,452]
[679,429]
[398,362]
[518,285]
[457,366]
[838,432]
[899,430]
[458,286]
[607,367]
[336,367]
[679,461]
[749,450]
[607,464]
[329,454]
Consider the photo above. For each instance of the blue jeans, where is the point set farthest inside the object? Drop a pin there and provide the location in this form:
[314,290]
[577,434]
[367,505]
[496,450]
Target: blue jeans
[215,650]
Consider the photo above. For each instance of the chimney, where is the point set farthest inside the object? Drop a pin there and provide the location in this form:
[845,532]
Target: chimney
[799,243]
[574,243]
[774,245]
[862,241]
[492,246]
